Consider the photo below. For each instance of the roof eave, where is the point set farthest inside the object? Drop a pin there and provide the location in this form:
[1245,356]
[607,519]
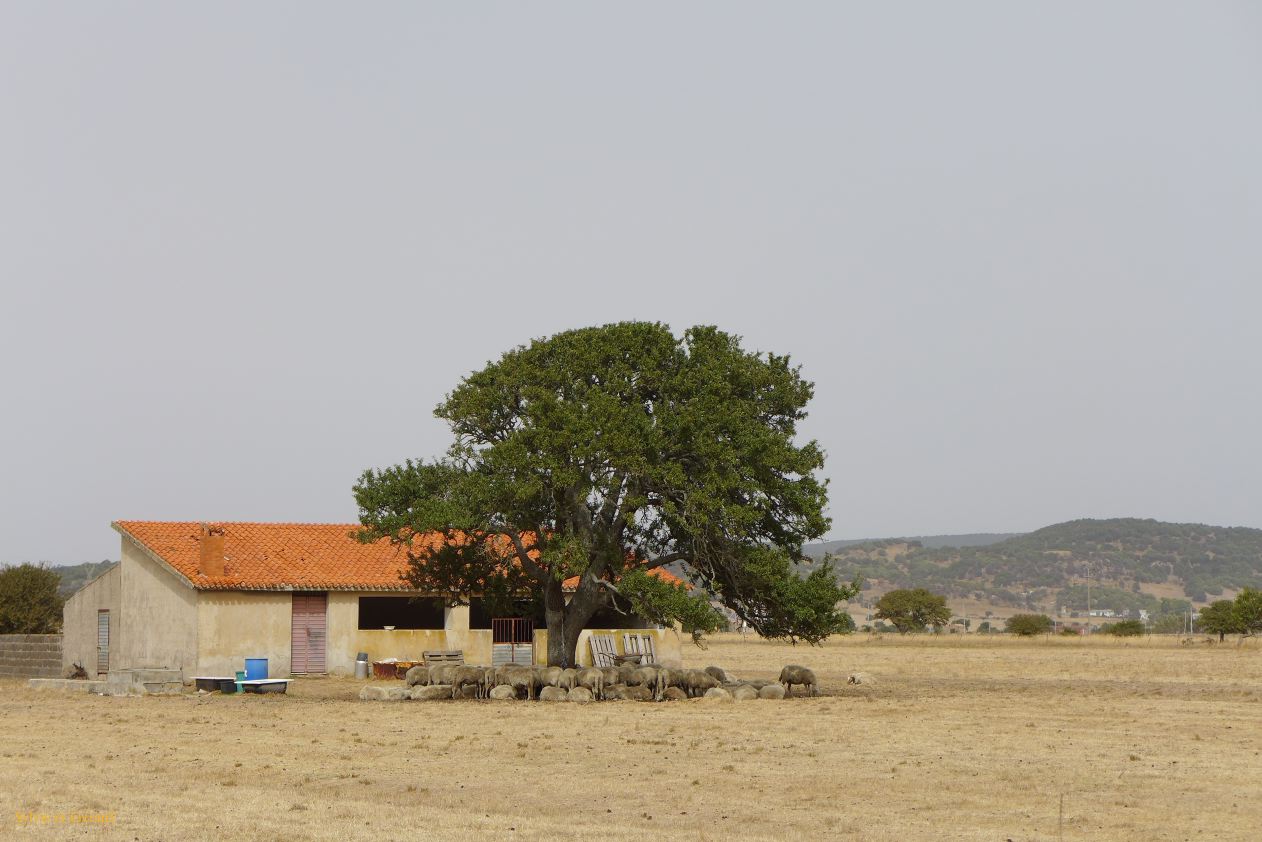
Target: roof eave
[162,562]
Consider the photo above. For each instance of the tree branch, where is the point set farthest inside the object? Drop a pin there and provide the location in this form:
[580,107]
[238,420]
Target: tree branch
[523,555]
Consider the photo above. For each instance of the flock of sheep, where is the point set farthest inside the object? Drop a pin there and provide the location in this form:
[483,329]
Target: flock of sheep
[636,683]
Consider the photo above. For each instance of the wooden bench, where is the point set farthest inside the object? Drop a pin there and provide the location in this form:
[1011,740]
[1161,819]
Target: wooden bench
[444,656]
[603,652]
[640,646]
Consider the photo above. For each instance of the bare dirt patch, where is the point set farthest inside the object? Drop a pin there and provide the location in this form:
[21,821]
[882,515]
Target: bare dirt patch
[954,738]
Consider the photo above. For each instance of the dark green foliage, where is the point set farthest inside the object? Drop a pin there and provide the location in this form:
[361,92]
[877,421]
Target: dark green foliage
[662,602]
[1220,618]
[1124,628]
[599,451]
[1123,552]
[1028,625]
[911,610]
[29,602]
[1249,611]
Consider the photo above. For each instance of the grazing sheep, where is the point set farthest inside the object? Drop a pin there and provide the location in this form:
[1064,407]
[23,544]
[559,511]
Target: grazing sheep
[718,674]
[674,694]
[637,694]
[743,692]
[625,671]
[640,677]
[569,679]
[553,694]
[440,673]
[502,692]
[655,679]
[549,676]
[468,676]
[697,682]
[594,680]
[416,675]
[580,695]
[793,674]
[518,678]
[718,693]
[612,675]
[771,691]
[431,693]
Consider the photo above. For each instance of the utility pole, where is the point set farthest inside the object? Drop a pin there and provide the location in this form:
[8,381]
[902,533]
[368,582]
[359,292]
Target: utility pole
[1088,597]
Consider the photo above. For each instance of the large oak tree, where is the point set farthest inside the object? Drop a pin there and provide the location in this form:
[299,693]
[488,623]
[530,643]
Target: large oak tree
[603,453]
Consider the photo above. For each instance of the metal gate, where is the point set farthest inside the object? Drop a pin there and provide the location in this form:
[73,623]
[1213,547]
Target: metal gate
[512,641]
[307,633]
[102,642]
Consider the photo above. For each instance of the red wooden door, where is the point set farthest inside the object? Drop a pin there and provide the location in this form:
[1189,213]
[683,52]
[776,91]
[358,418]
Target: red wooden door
[307,645]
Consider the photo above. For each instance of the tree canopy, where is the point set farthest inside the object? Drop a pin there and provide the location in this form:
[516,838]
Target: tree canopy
[912,609]
[1220,618]
[1248,609]
[1028,625]
[29,602]
[604,452]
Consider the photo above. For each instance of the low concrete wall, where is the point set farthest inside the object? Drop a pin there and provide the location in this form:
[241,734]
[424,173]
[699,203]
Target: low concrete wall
[666,643]
[345,638]
[30,655]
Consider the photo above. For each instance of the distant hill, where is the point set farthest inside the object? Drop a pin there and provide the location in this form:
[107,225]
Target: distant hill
[76,576]
[1132,564]
[977,539]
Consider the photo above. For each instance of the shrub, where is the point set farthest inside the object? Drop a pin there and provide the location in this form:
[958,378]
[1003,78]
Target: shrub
[1125,628]
[1028,625]
[29,602]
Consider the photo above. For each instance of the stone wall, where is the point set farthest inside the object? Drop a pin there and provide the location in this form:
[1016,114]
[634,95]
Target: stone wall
[30,655]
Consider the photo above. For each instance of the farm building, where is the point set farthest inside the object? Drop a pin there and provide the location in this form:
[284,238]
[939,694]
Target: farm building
[200,598]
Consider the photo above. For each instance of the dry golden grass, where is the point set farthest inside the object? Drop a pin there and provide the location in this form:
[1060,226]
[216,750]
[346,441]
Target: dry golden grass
[955,738]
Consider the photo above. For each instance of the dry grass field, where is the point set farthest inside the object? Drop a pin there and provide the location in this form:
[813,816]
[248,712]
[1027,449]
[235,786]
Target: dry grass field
[953,738]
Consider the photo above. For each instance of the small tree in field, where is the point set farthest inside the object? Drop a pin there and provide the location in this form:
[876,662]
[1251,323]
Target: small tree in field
[1248,611]
[29,602]
[912,609]
[1028,625]
[1220,618]
[597,455]
[1125,628]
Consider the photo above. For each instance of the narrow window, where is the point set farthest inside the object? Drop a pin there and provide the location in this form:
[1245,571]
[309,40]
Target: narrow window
[402,612]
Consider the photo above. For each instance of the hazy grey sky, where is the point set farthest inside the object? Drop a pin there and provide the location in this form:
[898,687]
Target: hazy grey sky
[246,248]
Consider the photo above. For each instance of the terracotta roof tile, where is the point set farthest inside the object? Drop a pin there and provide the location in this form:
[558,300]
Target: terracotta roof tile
[282,556]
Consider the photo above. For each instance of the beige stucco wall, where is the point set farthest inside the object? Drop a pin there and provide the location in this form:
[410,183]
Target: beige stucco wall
[158,622]
[235,625]
[666,642]
[345,639]
[78,644]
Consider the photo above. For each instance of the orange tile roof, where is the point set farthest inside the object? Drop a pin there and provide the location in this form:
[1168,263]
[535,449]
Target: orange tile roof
[282,556]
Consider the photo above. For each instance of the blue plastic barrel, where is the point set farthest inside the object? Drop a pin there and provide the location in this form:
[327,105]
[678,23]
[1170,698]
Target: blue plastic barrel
[255,669]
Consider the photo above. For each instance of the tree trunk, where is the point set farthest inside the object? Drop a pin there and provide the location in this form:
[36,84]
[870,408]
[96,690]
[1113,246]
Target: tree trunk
[554,613]
[566,623]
